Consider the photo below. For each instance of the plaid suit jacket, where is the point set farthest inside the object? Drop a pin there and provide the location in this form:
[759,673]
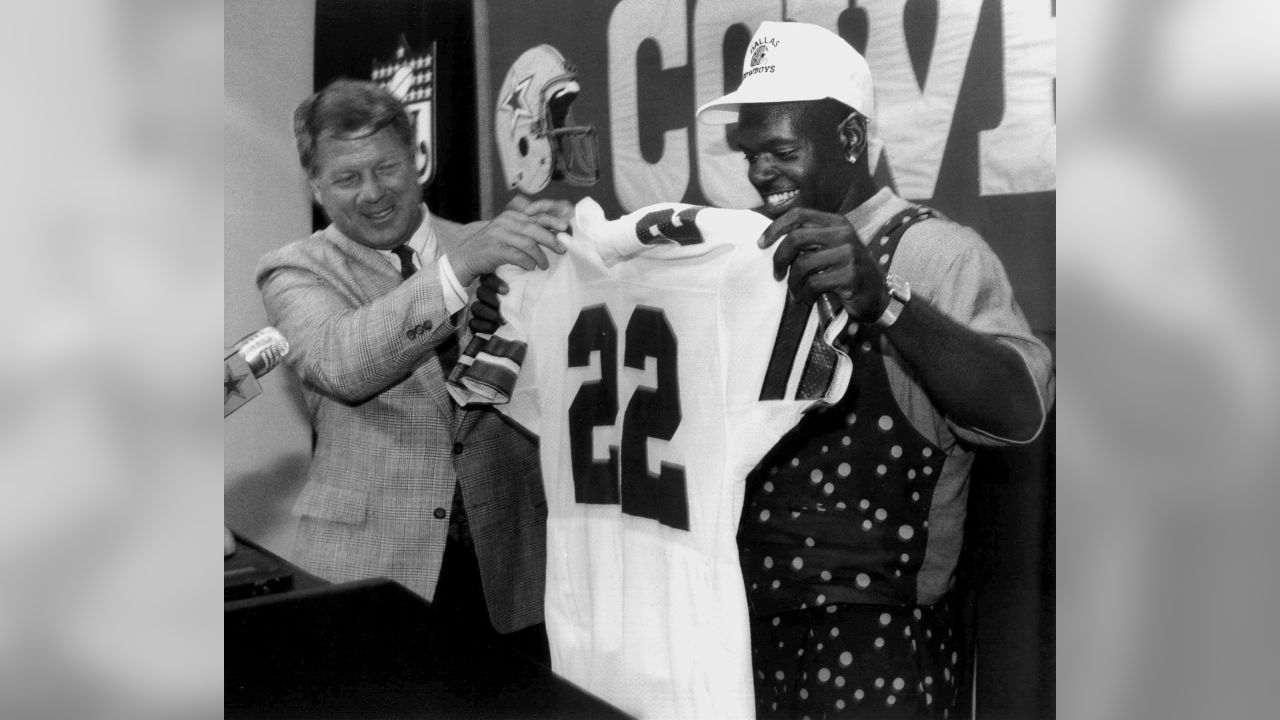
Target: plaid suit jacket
[390,442]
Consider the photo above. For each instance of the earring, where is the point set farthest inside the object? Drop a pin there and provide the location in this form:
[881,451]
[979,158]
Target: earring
[850,137]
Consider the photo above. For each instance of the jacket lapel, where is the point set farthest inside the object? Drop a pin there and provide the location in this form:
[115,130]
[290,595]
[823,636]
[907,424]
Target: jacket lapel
[431,376]
[437,376]
[377,278]
[367,266]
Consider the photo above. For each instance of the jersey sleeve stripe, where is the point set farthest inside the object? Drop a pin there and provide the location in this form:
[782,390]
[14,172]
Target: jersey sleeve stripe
[795,316]
[487,374]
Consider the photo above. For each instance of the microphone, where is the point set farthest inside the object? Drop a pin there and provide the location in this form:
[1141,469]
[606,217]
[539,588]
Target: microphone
[255,355]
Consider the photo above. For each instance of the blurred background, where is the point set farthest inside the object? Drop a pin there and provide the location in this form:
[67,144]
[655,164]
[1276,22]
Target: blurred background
[1166,268]
[110,447]
[111,455]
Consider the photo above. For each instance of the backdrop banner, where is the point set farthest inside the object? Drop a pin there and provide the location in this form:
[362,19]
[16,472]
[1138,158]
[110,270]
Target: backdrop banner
[965,108]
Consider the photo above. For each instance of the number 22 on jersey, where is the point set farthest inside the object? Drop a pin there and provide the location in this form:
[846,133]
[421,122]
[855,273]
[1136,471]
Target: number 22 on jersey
[624,478]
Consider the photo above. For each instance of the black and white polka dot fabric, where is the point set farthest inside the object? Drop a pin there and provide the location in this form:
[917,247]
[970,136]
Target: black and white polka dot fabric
[838,511]
[856,661]
[833,536]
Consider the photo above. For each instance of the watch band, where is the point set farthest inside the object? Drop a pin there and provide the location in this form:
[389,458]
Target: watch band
[899,295]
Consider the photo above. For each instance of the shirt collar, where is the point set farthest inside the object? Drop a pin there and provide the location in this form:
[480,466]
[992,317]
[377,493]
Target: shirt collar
[876,211]
[422,242]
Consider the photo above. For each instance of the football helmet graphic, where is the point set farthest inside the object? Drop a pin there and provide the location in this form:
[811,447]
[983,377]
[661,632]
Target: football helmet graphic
[533,124]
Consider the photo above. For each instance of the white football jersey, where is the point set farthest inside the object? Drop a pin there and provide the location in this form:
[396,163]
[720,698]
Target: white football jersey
[654,361]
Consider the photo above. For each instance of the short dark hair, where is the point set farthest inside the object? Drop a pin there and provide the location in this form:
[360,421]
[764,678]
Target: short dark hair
[347,108]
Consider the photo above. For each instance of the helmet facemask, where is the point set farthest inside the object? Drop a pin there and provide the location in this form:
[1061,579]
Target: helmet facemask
[573,147]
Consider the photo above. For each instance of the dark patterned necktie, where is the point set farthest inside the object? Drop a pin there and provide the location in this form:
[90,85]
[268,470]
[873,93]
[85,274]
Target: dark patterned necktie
[822,357]
[405,253]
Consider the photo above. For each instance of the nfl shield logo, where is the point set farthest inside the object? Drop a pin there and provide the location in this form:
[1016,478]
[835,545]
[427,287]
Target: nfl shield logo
[411,77]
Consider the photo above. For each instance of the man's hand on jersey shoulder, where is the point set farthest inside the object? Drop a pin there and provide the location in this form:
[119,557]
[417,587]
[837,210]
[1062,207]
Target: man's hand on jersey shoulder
[821,253]
[520,235]
[486,315]
[557,209]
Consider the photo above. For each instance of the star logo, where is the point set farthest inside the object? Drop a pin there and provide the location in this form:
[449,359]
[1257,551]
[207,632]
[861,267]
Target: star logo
[231,385]
[518,103]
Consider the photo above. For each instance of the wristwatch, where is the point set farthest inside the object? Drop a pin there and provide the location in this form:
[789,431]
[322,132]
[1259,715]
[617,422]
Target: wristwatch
[899,295]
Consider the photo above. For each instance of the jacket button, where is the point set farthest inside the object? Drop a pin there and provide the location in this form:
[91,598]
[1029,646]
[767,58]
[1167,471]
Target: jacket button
[440,513]
[457,448]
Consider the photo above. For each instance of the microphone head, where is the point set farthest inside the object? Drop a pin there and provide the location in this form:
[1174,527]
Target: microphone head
[263,350]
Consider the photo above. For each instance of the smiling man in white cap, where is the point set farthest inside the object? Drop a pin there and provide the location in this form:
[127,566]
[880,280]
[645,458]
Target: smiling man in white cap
[853,524]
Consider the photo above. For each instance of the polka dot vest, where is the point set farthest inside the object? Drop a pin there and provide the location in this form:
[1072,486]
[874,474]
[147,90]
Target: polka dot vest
[838,511]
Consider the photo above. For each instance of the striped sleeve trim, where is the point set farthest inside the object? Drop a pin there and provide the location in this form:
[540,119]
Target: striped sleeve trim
[486,373]
[795,317]
[807,363]
[669,226]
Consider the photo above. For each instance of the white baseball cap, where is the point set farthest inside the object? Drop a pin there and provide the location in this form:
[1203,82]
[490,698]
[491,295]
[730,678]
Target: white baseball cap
[789,61]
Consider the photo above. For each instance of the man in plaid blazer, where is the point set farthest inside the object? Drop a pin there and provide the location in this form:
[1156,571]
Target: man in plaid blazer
[403,484]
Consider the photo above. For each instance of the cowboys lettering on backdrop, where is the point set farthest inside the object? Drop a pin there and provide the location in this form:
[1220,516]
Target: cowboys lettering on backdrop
[965,97]
[972,85]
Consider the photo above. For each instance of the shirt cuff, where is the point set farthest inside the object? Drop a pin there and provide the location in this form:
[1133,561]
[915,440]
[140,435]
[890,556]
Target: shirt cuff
[455,296]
